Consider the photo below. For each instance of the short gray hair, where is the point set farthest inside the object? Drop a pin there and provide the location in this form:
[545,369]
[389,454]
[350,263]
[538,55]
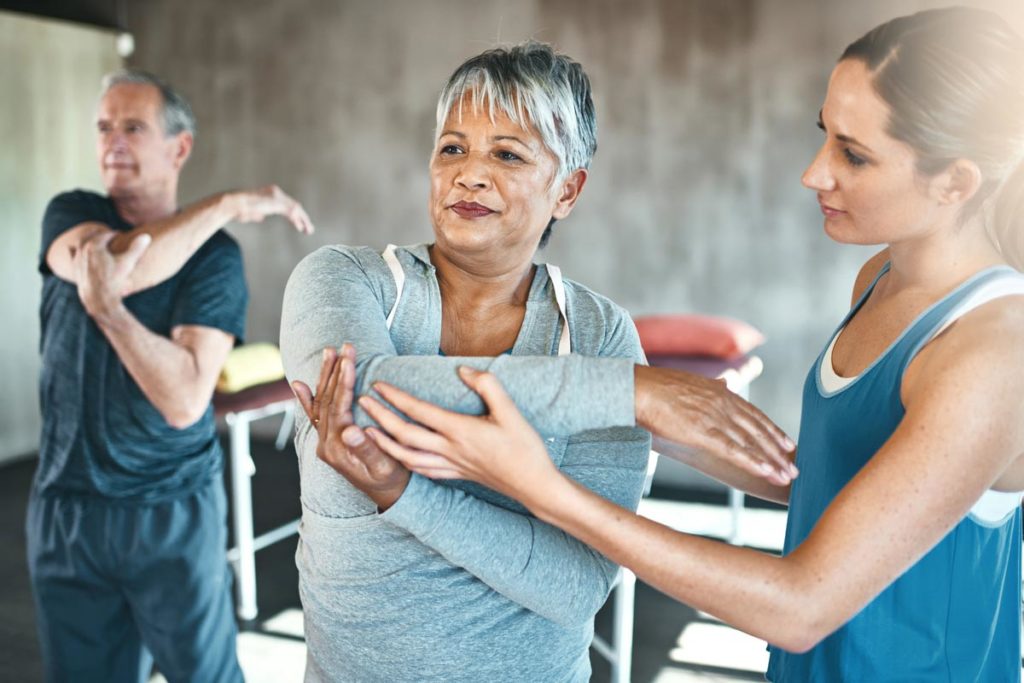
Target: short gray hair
[530,83]
[176,113]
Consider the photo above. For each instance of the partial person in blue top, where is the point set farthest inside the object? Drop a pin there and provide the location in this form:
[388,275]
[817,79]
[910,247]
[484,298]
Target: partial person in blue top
[142,300]
[903,548]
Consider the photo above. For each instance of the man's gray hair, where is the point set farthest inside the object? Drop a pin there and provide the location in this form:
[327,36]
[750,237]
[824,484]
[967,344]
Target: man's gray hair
[177,114]
[530,83]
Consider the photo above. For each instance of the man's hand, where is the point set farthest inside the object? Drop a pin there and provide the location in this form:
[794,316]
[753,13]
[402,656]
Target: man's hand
[252,206]
[103,277]
[342,444]
[702,413]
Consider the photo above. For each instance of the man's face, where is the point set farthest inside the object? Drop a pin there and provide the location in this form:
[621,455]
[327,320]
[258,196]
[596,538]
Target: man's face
[135,155]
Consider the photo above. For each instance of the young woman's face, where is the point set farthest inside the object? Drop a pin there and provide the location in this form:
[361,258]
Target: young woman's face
[867,185]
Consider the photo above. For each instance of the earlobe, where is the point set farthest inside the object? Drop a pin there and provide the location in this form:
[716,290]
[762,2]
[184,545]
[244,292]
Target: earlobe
[571,189]
[958,183]
[182,148]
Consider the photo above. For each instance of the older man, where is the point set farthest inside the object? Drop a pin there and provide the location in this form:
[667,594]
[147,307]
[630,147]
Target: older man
[142,300]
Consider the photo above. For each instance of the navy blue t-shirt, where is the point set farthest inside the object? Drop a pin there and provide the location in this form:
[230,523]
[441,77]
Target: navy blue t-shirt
[100,434]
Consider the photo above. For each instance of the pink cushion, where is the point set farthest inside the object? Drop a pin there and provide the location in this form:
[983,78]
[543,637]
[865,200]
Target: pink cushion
[697,335]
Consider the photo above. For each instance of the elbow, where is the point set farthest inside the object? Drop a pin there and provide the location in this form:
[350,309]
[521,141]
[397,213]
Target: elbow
[800,641]
[579,610]
[806,626]
[573,616]
[185,414]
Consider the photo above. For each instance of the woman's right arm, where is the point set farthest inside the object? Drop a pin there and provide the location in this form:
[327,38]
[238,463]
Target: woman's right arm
[332,297]
[917,487]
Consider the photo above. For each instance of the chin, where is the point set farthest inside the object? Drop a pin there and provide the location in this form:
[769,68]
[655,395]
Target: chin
[842,231]
[466,237]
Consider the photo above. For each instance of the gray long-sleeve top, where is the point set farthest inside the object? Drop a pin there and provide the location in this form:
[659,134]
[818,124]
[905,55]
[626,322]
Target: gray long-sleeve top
[454,581]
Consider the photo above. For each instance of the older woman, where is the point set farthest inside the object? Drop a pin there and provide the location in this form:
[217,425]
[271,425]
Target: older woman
[903,549]
[402,578]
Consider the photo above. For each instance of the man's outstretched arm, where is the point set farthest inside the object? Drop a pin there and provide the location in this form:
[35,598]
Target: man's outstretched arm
[177,237]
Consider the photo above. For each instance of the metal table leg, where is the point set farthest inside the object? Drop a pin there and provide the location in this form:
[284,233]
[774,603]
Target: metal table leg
[625,596]
[242,469]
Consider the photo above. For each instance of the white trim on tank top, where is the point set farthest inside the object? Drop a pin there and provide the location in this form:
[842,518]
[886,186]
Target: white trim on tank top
[994,506]
[554,274]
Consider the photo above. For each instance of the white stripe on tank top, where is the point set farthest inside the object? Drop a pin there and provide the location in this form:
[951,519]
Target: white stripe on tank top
[993,506]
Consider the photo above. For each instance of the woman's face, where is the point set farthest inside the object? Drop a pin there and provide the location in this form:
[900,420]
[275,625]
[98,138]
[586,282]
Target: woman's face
[491,186]
[866,181]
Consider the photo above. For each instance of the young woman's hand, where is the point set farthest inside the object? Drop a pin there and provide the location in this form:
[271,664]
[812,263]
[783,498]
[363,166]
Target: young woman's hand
[499,450]
[702,413]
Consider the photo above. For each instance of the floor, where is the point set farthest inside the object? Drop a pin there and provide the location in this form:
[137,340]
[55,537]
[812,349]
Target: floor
[673,643]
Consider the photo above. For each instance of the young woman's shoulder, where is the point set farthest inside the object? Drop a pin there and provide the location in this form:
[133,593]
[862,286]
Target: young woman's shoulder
[868,273]
[984,347]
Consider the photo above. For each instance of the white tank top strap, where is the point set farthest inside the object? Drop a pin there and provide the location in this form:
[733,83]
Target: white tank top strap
[398,274]
[554,273]
[994,507]
[1010,284]
[564,342]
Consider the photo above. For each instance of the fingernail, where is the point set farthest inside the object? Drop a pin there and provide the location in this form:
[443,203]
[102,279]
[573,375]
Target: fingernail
[363,401]
[789,443]
[323,355]
[467,370]
[353,437]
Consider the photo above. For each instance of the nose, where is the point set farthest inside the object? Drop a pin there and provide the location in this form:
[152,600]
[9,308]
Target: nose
[473,173]
[818,176]
[113,139]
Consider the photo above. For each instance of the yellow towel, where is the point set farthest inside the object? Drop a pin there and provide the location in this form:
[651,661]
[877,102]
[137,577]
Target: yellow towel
[249,365]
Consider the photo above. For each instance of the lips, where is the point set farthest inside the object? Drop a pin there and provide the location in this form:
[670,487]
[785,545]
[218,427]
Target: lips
[471,210]
[119,165]
[829,211]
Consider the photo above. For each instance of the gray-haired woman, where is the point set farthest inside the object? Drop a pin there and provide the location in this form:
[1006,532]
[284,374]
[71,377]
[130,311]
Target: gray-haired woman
[403,578]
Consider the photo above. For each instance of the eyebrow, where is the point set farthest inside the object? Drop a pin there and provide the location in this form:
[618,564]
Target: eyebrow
[496,138]
[138,122]
[844,138]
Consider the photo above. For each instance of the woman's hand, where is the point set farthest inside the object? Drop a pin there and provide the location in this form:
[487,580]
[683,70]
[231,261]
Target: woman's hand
[702,413]
[342,444]
[499,450]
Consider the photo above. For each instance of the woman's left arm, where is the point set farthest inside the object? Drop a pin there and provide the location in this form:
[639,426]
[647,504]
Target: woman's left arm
[964,426]
[531,562]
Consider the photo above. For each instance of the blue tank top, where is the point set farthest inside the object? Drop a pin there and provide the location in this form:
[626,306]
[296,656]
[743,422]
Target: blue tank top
[955,614]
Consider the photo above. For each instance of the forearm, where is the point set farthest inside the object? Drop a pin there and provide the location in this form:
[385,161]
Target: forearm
[528,561]
[722,470]
[166,373]
[773,598]
[559,396]
[174,239]
[330,299]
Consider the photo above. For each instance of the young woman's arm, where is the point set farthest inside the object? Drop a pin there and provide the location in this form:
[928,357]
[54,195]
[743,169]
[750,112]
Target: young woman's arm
[963,428]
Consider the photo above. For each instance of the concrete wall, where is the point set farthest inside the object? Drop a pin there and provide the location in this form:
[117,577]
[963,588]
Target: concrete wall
[706,112]
[49,83]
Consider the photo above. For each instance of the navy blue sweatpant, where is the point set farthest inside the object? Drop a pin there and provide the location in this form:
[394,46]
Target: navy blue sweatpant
[119,584]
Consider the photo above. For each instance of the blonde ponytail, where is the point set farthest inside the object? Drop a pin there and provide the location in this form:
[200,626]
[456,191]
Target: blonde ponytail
[1008,218]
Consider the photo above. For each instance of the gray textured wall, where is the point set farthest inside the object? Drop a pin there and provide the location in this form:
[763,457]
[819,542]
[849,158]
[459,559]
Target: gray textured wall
[706,112]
